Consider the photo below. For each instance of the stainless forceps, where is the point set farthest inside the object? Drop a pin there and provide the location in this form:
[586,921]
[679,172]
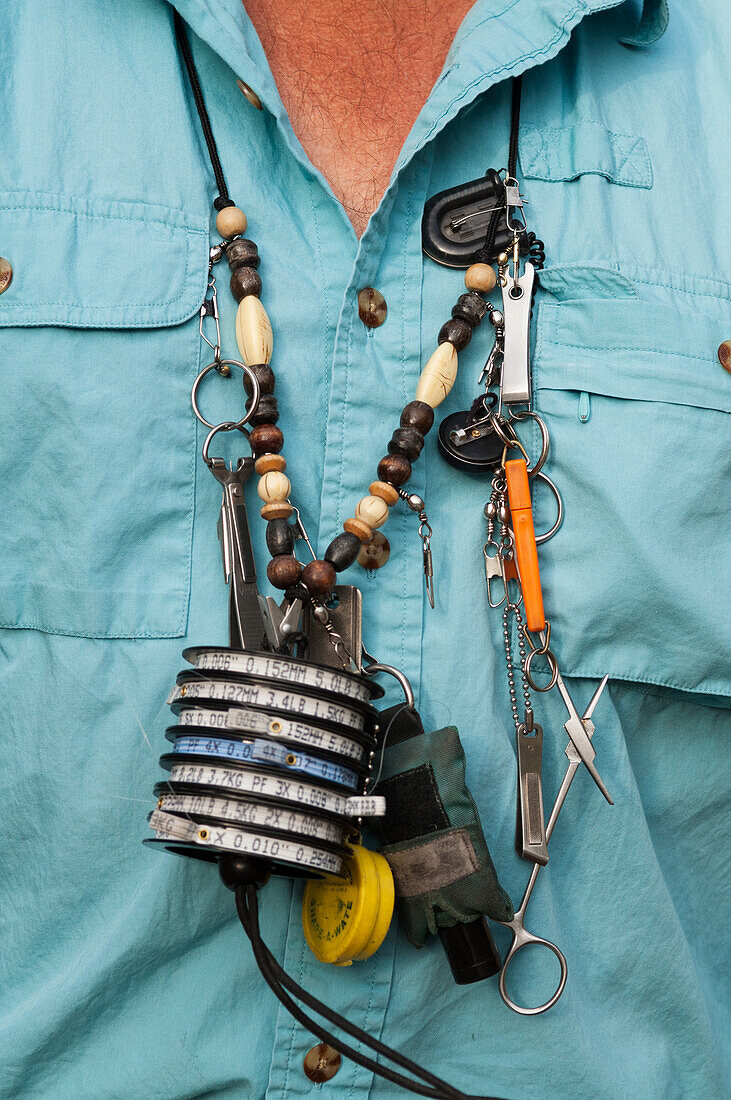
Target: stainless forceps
[521,936]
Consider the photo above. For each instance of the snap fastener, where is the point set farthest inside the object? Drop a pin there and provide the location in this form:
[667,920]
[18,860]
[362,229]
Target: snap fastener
[724,355]
[250,94]
[6,274]
[322,1063]
[372,307]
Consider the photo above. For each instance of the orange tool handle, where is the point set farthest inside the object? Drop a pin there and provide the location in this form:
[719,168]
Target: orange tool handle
[526,550]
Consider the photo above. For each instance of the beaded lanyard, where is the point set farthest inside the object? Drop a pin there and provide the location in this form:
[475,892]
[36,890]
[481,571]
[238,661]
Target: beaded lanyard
[292,741]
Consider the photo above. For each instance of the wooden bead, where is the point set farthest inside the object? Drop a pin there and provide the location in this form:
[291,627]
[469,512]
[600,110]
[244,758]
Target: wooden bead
[342,551]
[395,469]
[266,439]
[359,528]
[231,222]
[284,571]
[280,509]
[407,442]
[266,463]
[280,537]
[264,376]
[274,486]
[383,490]
[371,510]
[267,410]
[480,277]
[245,280]
[419,415]
[253,331]
[437,377]
[471,308]
[242,253]
[318,577]
[375,553]
[457,331]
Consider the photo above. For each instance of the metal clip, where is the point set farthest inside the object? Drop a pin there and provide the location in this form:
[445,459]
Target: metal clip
[416,504]
[210,309]
[530,834]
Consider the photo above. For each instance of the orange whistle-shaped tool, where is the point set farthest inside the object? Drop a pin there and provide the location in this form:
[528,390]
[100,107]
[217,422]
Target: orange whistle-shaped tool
[526,550]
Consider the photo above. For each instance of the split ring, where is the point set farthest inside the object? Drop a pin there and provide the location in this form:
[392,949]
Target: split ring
[216,365]
[559,501]
[528,414]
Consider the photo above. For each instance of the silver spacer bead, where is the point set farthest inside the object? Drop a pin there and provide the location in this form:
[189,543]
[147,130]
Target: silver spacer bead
[415,502]
[216,252]
[496,318]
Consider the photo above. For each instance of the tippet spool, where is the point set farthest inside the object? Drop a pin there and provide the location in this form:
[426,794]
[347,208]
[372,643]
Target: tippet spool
[267,751]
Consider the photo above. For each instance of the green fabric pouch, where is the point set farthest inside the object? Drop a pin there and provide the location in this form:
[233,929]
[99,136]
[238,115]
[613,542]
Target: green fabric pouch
[431,832]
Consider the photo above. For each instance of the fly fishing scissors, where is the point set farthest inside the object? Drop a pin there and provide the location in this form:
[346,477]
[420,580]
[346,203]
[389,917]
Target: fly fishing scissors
[521,936]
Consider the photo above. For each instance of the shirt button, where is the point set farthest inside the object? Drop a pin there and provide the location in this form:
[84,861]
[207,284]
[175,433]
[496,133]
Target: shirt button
[321,1063]
[250,94]
[372,307]
[724,355]
[6,274]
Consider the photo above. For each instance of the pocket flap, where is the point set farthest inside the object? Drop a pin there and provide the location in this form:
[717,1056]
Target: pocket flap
[587,148]
[100,264]
[660,355]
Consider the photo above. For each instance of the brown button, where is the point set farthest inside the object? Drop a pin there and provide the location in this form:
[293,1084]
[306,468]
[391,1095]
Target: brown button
[6,274]
[321,1063]
[250,94]
[372,307]
[724,355]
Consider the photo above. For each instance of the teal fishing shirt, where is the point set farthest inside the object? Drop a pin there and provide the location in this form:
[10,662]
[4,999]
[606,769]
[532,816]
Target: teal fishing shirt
[124,973]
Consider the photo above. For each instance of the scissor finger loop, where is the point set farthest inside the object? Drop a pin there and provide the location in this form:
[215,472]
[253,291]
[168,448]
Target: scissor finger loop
[523,938]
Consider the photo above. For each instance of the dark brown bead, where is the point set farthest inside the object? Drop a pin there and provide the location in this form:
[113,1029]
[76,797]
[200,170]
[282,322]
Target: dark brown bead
[457,332]
[266,411]
[408,442]
[419,415]
[280,537]
[245,281]
[470,307]
[266,439]
[265,378]
[342,551]
[395,469]
[242,253]
[318,577]
[284,571]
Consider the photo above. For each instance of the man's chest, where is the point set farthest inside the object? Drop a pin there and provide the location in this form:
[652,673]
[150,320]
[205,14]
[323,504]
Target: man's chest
[353,83]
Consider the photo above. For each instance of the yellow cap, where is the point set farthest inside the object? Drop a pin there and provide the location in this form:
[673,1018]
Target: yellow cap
[347,919]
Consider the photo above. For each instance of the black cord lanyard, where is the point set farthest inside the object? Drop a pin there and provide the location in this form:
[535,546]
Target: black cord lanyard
[247,904]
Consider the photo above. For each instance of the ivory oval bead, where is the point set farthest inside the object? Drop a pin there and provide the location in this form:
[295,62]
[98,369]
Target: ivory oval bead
[359,528]
[274,486]
[480,277]
[266,463]
[437,377]
[279,509]
[253,331]
[383,490]
[231,222]
[372,510]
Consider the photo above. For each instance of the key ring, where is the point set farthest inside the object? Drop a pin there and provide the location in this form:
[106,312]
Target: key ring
[559,502]
[226,426]
[216,365]
[528,414]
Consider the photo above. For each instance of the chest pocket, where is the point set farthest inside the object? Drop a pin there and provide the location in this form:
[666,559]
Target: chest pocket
[637,404]
[97,440]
